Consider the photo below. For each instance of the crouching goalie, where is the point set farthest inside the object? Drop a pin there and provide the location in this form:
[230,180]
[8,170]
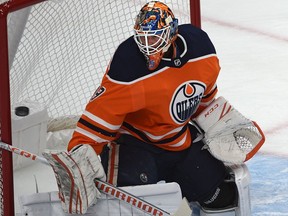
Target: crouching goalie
[155,117]
[223,131]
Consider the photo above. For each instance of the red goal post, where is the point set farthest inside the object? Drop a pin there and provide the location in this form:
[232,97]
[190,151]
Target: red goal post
[56,52]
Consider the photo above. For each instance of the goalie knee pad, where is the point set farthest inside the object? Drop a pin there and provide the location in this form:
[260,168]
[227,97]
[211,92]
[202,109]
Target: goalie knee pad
[241,177]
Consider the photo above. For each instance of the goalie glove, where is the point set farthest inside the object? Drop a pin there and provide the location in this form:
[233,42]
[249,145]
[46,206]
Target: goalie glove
[75,172]
[229,136]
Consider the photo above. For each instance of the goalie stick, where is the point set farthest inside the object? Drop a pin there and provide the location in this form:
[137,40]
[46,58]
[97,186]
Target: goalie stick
[111,190]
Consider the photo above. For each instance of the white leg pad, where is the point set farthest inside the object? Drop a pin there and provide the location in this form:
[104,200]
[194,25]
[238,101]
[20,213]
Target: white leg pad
[167,196]
[242,180]
[241,176]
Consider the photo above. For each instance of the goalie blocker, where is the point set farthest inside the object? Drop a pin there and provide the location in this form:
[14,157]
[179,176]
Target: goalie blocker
[75,172]
[229,136]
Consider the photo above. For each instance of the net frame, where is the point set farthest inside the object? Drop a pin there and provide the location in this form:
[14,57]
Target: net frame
[6,167]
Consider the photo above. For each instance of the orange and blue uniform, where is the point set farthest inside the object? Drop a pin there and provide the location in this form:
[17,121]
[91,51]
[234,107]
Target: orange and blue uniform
[153,106]
[144,117]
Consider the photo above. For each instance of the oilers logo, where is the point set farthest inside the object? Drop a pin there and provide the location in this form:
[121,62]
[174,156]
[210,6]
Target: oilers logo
[186,100]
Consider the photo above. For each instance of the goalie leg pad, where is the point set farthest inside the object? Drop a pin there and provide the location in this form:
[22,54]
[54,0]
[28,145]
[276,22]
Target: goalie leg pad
[240,174]
[225,212]
[242,180]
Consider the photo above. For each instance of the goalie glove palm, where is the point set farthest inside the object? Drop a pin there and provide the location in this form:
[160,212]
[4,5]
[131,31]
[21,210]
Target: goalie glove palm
[229,136]
[75,172]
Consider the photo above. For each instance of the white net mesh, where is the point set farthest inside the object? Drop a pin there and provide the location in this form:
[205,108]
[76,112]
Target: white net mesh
[66,47]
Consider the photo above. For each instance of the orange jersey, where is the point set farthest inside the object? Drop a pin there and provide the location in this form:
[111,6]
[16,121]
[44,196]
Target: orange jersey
[154,106]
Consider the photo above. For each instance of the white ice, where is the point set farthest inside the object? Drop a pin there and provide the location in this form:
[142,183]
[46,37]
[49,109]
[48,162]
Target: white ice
[251,39]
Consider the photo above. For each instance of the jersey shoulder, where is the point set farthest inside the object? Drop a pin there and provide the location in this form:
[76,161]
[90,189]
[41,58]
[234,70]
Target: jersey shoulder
[198,41]
[128,63]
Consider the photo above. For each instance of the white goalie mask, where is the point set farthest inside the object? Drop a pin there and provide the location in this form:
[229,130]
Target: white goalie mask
[154,31]
[152,42]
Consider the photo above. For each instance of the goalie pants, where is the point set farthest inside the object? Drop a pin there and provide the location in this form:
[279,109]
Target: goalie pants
[133,162]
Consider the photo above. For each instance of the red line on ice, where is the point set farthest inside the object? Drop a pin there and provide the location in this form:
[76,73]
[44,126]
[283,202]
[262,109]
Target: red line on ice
[244,28]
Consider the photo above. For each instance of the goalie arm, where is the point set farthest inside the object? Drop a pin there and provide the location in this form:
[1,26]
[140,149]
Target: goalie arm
[229,135]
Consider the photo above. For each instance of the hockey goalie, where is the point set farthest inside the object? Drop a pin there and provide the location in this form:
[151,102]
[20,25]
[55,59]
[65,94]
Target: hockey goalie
[227,135]
[155,117]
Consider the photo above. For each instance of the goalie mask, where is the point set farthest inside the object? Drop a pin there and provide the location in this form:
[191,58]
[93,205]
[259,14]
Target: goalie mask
[154,31]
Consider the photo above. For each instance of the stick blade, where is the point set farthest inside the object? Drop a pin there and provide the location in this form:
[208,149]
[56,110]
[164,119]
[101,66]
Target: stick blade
[184,209]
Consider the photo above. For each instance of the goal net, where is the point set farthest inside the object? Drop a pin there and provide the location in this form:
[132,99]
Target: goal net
[55,53]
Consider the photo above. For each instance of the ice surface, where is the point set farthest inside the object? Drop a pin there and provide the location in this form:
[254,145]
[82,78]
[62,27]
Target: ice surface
[251,38]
